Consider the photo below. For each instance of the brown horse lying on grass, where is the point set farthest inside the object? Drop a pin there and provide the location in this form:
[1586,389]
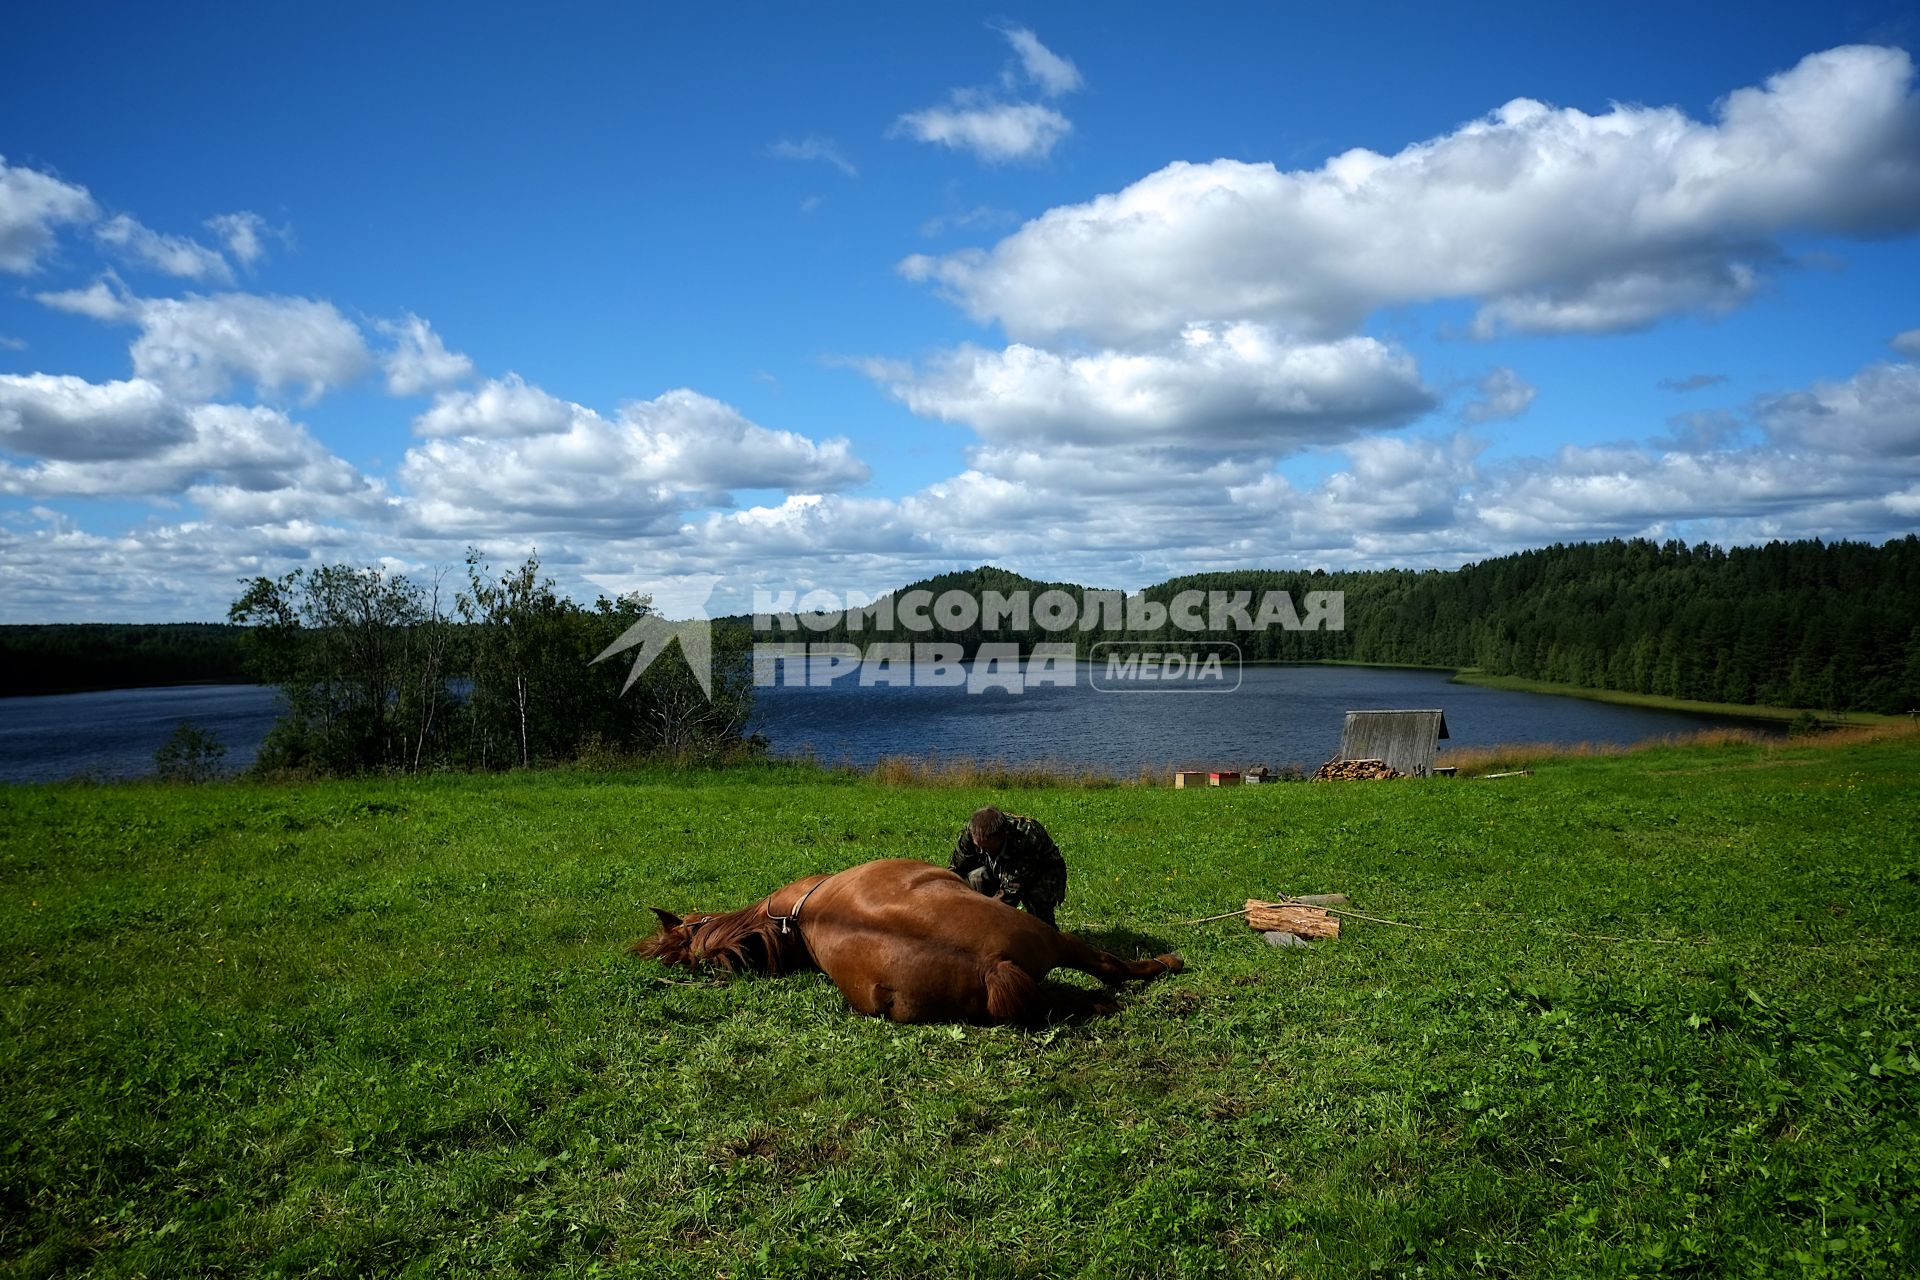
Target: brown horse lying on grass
[902,940]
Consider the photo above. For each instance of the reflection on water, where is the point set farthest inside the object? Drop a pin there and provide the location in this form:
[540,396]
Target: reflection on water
[1278,715]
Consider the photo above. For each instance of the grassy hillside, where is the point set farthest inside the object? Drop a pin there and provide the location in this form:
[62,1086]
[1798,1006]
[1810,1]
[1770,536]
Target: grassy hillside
[356,1028]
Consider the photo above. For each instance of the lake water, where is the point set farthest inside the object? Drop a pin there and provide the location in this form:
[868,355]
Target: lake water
[113,733]
[1278,716]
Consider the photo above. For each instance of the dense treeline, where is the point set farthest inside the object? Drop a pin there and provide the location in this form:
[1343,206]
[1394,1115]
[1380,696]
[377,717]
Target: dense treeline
[382,673]
[64,657]
[1831,626]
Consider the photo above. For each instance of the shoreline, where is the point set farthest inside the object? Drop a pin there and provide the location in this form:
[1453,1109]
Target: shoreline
[1620,697]
[1658,702]
[129,688]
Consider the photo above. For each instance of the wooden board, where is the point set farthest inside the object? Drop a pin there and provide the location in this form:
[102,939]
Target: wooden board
[1304,922]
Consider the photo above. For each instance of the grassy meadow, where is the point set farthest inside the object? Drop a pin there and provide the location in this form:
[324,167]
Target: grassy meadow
[389,1027]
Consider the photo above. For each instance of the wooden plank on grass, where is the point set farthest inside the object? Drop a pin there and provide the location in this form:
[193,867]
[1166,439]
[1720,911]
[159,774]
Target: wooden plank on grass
[1304,922]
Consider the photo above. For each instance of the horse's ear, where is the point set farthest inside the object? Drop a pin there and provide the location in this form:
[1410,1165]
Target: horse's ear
[668,920]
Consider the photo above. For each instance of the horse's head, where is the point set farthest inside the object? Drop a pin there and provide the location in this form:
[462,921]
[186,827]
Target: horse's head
[736,941]
[675,944]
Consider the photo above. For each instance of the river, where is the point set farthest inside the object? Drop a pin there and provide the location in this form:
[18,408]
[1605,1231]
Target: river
[1278,715]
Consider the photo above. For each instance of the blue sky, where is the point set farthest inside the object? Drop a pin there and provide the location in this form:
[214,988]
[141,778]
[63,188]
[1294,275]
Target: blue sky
[839,296]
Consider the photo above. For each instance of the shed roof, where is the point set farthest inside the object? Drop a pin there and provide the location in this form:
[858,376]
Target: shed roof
[1406,740]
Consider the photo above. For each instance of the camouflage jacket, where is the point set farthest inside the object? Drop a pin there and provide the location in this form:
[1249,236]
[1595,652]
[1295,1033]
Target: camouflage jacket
[1028,871]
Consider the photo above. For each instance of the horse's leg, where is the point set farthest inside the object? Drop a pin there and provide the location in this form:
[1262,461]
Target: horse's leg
[870,996]
[1109,968]
[894,1002]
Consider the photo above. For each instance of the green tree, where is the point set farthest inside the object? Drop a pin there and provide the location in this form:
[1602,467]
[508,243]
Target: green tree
[191,754]
[522,666]
[342,646]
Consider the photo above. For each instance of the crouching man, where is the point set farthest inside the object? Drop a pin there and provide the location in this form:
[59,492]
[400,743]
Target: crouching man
[1010,857]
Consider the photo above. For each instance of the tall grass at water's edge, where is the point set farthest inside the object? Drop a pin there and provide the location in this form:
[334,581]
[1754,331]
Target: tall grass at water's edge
[936,770]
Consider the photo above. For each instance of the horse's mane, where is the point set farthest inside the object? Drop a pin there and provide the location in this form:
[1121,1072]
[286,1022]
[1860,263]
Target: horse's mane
[747,940]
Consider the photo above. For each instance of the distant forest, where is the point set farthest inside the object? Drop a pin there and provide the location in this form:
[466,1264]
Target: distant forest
[1830,626]
[69,657]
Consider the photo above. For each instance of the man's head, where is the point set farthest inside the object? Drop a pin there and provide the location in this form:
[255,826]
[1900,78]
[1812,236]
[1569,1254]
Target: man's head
[988,827]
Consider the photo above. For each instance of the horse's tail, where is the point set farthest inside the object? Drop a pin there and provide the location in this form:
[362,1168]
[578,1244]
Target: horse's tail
[1011,992]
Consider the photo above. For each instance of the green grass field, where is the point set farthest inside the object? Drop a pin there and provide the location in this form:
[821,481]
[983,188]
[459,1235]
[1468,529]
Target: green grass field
[389,1027]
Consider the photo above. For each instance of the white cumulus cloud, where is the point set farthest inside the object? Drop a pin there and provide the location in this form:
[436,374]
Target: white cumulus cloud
[32,204]
[1391,486]
[510,456]
[106,300]
[996,126]
[419,361]
[1553,219]
[132,438]
[67,418]
[173,255]
[1215,387]
[500,408]
[1874,414]
[1501,395]
[1053,74]
[993,131]
[242,233]
[199,347]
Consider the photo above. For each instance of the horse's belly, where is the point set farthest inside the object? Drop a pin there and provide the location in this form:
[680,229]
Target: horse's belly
[908,989]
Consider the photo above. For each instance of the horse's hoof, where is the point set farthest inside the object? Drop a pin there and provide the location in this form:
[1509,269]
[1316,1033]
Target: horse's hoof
[1173,962]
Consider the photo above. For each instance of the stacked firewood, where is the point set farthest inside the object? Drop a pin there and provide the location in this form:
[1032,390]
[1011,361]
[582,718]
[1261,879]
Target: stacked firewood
[1344,770]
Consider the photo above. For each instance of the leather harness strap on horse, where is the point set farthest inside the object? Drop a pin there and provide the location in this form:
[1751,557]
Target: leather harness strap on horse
[793,916]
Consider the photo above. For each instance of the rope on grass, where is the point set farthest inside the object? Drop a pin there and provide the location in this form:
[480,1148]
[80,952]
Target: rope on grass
[1441,928]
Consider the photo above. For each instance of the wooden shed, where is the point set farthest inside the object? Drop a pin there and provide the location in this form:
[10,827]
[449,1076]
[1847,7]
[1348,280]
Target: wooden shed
[1406,740]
